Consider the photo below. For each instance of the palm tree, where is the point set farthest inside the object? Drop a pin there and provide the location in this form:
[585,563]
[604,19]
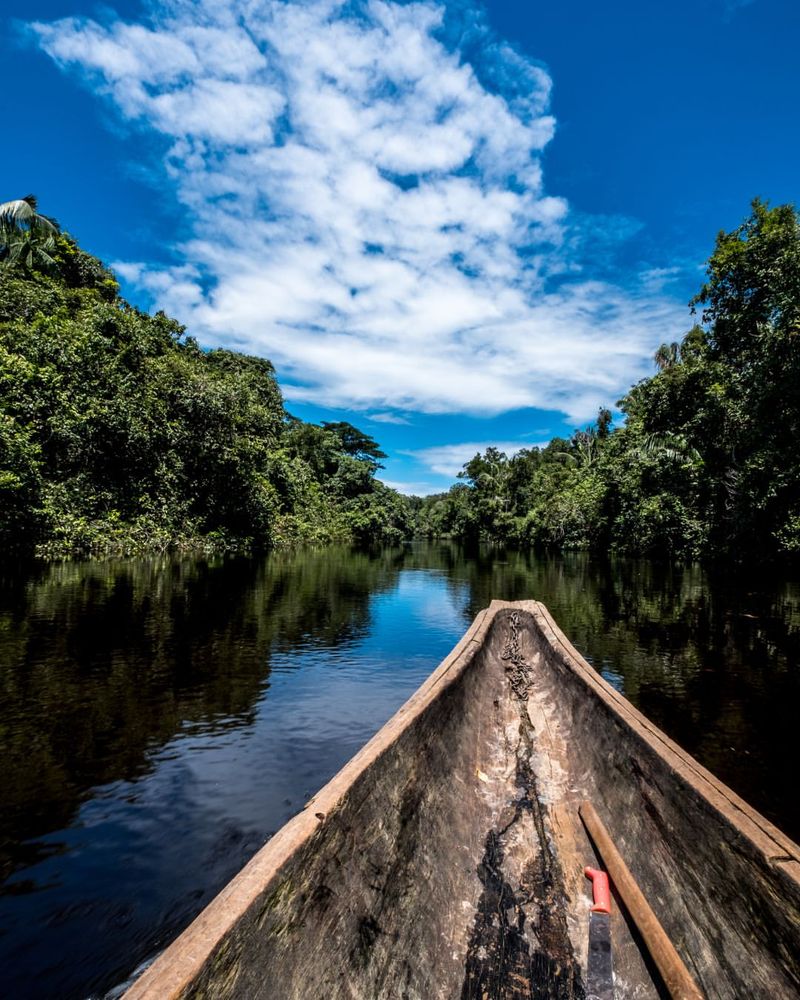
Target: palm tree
[26,237]
[667,355]
[583,449]
[670,446]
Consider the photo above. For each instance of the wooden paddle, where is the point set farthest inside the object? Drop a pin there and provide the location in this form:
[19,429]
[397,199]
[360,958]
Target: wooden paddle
[677,978]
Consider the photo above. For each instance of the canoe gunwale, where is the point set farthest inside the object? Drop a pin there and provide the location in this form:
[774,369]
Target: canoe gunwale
[174,970]
[775,847]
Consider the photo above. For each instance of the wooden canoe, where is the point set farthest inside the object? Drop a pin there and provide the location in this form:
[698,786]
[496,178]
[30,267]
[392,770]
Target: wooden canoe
[445,860]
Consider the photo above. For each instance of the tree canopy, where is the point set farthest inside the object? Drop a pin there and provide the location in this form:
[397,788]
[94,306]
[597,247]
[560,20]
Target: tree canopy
[707,459]
[119,433]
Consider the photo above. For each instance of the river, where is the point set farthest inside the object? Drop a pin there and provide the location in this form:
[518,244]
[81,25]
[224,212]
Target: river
[161,718]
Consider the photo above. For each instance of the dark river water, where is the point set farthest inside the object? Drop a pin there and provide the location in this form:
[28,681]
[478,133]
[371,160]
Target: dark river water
[159,719]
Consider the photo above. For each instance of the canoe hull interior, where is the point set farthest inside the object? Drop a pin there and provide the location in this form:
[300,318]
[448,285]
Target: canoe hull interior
[446,859]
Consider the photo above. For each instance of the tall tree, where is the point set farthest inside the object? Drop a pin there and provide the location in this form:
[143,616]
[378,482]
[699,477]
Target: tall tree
[751,305]
[355,442]
[667,355]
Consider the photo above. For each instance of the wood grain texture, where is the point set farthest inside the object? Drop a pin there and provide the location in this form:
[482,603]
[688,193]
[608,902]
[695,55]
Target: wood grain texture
[445,861]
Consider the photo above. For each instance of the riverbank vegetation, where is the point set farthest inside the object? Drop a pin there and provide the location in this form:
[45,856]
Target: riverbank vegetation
[119,434]
[707,460]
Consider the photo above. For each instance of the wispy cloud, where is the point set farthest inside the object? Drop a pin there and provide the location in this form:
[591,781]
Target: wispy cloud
[414,489]
[388,418]
[367,205]
[448,459]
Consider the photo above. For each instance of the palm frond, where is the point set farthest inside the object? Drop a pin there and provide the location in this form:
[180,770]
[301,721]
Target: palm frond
[21,214]
[16,213]
[670,446]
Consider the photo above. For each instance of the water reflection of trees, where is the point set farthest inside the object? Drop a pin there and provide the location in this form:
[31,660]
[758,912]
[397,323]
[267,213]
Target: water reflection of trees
[102,661]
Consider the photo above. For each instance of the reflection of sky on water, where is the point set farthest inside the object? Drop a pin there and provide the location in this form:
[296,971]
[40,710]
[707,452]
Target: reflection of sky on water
[423,596]
[614,678]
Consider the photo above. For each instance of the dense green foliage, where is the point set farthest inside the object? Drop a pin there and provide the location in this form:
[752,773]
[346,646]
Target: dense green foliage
[119,434]
[708,459]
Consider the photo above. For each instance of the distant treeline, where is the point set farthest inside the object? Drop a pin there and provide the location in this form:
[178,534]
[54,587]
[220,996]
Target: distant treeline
[708,458]
[119,434]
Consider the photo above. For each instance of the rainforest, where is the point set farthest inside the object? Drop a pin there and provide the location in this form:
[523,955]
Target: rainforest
[120,434]
[706,458]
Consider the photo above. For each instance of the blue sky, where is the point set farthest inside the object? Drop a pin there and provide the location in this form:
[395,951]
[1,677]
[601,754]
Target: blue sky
[452,224]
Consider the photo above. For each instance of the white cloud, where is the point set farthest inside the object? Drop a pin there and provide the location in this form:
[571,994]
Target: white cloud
[388,418]
[367,207]
[415,489]
[448,459]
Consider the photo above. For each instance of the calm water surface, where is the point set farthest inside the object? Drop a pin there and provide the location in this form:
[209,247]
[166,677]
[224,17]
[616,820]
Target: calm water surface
[160,719]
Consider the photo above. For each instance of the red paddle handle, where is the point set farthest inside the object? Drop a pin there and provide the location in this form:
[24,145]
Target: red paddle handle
[601,895]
